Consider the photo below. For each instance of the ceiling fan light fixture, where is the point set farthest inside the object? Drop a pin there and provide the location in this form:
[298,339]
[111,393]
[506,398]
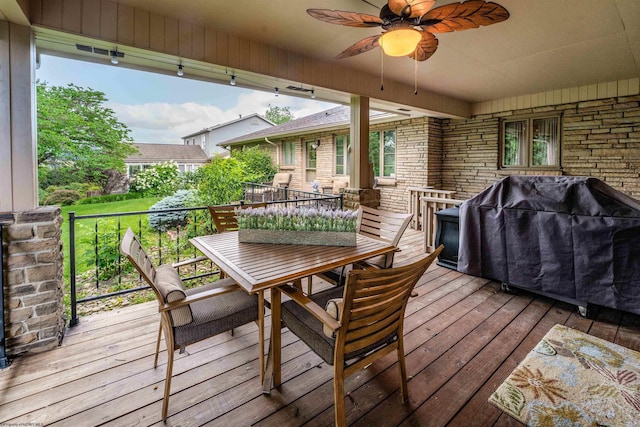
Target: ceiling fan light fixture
[400,42]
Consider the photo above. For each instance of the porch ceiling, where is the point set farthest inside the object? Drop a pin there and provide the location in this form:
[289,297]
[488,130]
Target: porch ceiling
[544,45]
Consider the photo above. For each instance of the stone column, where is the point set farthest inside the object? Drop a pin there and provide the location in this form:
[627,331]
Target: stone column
[34,286]
[354,197]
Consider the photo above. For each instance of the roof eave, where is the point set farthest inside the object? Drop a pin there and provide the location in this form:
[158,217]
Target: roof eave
[304,131]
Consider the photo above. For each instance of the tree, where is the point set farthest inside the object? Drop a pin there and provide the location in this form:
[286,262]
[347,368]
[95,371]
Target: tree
[78,137]
[278,115]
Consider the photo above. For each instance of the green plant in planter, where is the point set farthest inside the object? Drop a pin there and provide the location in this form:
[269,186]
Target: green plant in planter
[297,219]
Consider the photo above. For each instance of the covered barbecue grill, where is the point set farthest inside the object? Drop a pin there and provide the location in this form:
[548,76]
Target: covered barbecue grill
[572,238]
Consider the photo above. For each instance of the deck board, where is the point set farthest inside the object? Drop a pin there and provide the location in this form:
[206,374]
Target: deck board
[463,336]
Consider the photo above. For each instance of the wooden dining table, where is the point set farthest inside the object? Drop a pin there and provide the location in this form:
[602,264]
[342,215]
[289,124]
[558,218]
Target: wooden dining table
[258,267]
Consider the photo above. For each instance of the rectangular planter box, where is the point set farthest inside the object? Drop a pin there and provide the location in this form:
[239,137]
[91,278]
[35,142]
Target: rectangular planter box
[286,237]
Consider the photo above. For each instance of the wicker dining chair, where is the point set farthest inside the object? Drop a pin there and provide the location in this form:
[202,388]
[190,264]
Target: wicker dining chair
[189,315]
[363,321]
[380,225]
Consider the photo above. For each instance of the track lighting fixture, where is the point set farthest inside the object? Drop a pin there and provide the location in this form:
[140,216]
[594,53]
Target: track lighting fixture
[180,72]
[232,82]
[276,91]
[313,94]
[114,57]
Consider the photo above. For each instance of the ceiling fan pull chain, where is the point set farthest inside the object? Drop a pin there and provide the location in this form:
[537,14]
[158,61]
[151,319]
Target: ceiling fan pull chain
[415,74]
[381,70]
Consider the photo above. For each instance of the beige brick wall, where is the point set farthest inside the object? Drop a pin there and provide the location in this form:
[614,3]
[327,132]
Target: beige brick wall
[416,164]
[599,138]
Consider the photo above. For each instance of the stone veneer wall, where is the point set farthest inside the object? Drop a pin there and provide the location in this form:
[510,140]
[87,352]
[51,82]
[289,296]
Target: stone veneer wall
[354,197]
[34,310]
[418,161]
[599,138]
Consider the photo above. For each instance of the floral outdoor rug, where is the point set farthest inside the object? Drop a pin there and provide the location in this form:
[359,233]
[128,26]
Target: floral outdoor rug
[573,379]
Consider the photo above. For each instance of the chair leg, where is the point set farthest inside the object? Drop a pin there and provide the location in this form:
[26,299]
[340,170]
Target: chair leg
[338,397]
[155,361]
[309,285]
[404,392]
[167,383]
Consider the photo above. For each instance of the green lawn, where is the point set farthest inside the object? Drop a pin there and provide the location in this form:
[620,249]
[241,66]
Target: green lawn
[102,270]
[84,228]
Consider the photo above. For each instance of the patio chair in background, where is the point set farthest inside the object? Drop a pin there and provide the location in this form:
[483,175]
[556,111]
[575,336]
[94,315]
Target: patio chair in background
[189,315]
[224,216]
[363,321]
[377,224]
[280,183]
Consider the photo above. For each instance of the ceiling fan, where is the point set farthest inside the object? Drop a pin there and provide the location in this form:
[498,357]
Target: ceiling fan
[409,25]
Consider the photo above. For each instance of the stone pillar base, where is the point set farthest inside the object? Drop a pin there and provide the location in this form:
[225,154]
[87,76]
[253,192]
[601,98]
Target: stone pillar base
[35,284]
[354,197]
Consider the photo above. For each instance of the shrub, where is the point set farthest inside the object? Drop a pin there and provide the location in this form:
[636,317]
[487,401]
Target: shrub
[166,220]
[157,180]
[62,198]
[257,165]
[110,198]
[220,181]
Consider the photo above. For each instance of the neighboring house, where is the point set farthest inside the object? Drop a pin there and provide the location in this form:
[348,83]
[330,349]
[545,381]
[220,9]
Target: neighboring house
[188,158]
[316,147]
[208,139]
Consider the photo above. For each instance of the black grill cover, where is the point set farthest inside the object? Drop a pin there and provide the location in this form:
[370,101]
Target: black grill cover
[572,237]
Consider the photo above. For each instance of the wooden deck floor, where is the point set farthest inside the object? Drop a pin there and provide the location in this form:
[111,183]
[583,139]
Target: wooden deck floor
[463,337]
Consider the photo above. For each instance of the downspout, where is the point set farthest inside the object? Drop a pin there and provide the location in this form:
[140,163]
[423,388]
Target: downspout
[277,151]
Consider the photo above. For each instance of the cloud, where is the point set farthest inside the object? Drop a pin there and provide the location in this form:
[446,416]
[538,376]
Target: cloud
[166,123]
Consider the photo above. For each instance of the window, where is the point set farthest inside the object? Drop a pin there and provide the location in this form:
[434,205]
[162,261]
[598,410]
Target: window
[382,153]
[134,169]
[343,156]
[532,142]
[203,141]
[288,153]
[310,161]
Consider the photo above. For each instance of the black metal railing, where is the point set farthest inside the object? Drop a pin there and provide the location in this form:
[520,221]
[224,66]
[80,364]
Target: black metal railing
[289,197]
[95,239]
[94,255]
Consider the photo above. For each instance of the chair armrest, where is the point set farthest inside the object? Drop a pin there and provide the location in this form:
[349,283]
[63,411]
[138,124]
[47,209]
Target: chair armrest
[223,286]
[310,305]
[189,261]
[363,265]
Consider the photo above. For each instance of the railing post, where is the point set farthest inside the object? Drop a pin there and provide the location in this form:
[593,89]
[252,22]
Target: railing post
[72,269]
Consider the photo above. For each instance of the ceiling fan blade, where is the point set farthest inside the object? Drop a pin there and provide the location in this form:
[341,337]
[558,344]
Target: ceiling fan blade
[410,8]
[463,16]
[362,46]
[426,47]
[350,19]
